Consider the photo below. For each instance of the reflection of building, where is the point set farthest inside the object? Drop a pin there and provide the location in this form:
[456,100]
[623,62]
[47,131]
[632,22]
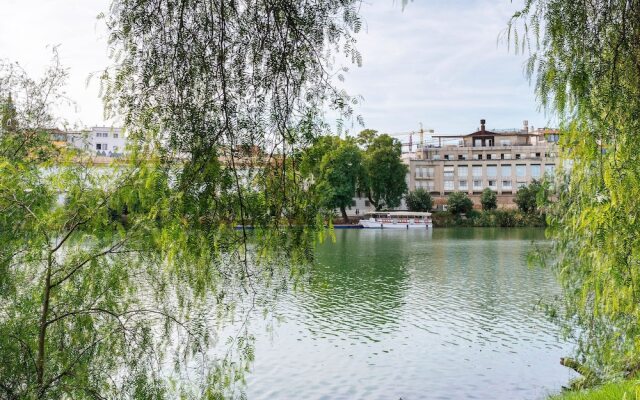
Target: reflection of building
[102,141]
[502,161]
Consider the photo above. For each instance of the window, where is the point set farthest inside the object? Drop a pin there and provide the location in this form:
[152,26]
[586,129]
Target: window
[488,156]
[479,156]
[477,170]
[521,184]
[448,172]
[477,143]
[436,156]
[517,156]
[448,185]
[477,183]
[115,135]
[463,170]
[353,203]
[101,146]
[535,170]
[492,184]
[506,184]
[462,156]
[537,155]
[550,169]
[506,170]
[492,170]
[505,142]
[506,156]
[446,156]
[367,203]
[521,170]
[462,184]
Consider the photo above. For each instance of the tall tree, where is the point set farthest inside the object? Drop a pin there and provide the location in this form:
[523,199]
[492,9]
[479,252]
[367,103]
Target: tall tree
[385,173]
[340,170]
[585,59]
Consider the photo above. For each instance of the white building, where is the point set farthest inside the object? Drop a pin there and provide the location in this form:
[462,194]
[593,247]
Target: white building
[100,140]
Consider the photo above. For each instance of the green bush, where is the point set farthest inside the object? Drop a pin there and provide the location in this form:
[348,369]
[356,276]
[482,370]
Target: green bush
[419,200]
[489,200]
[459,203]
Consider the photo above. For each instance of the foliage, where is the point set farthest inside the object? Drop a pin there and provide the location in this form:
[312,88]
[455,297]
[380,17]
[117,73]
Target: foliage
[490,219]
[108,276]
[584,57]
[340,169]
[489,199]
[459,203]
[531,197]
[419,200]
[617,390]
[385,173]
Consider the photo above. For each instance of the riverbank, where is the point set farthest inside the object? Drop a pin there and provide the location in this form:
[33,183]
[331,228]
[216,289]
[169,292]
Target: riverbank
[629,390]
[489,219]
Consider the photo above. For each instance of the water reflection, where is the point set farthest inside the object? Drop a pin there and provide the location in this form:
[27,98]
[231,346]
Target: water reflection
[391,314]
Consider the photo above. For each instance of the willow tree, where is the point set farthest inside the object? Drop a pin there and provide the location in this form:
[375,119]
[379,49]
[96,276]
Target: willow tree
[585,61]
[113,282]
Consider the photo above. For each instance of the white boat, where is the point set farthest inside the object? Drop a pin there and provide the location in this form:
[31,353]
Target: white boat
[397,220]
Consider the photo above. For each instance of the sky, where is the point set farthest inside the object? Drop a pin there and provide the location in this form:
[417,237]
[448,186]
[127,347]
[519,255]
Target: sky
[438,63]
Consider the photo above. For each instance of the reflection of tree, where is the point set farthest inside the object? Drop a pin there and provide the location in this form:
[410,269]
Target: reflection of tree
[360,282]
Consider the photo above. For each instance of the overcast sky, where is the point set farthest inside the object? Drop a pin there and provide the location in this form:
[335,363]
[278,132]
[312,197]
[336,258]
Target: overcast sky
[438,62]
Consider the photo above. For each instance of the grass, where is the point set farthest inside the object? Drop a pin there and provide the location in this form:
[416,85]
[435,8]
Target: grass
[628,390]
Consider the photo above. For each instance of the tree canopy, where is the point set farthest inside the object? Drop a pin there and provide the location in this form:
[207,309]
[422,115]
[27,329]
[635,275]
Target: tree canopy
[489,199]
[385,173]
[459,203]
[340,170]
[585,61]
[419,200]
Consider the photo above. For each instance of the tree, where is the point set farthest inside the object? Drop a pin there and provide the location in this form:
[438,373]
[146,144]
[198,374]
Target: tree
[489,200]
[528,197]
[585,65]
[419,200]
[459,203]
[385,173]
[339,173]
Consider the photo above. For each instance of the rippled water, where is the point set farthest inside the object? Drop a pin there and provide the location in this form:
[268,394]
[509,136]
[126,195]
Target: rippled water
[415,315]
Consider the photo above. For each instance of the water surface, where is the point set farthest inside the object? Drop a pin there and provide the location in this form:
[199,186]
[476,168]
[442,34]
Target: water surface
[415,315]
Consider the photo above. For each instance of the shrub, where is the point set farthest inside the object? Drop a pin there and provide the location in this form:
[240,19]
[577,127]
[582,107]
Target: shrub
[459,203]
[419,200]
[489,200]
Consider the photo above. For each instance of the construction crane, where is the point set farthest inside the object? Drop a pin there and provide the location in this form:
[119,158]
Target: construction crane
[409,144]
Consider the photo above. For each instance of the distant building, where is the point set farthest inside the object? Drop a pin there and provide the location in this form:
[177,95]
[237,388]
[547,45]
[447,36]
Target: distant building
[100,140]
[502,161]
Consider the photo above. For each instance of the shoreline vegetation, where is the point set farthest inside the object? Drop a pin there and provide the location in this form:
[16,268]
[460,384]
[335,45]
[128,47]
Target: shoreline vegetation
[629,390]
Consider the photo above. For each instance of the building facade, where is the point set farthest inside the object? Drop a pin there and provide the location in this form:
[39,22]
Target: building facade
[502,161]
[100,140]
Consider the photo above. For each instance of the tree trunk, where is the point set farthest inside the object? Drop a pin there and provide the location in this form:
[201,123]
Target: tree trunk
[345,218]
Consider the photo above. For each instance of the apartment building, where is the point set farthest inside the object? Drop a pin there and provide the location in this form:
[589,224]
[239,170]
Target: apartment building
[502,161]
[100,140]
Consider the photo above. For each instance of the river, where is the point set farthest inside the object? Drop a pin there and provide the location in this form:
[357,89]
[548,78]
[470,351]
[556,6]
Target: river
[448,314]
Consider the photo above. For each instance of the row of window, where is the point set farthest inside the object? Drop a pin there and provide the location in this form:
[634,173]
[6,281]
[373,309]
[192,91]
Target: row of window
[506,170]
[103,146]
[106,134]
[494,156]
[477,184]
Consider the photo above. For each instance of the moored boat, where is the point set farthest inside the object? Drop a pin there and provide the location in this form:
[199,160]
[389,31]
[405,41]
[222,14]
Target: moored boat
[397,220]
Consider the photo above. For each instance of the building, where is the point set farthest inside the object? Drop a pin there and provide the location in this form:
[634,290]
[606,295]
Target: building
[100,140]
[502,161]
